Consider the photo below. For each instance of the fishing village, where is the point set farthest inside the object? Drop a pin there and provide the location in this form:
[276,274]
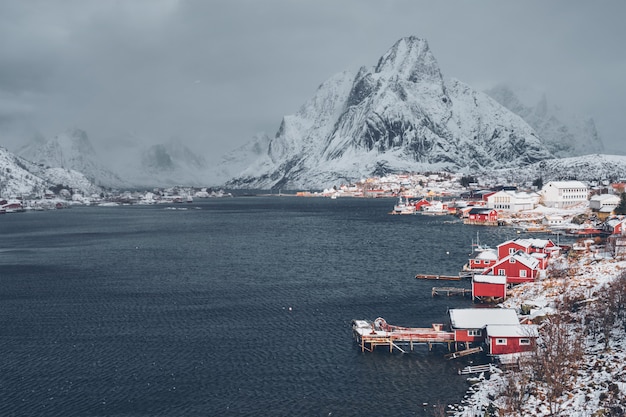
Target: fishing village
[538,303]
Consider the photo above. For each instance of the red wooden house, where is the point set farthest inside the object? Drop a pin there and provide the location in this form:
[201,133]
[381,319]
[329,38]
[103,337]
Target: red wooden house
[507,339]
[527,246]
[468,324]
[423,202]
[481,261]
[482,215]
[518,267]
[486,287]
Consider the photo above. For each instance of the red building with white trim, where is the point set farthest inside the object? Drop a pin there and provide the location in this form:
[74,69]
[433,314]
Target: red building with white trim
[518,267]
[468,324]
[482,215]
[527,246]
[486,287]
[502,340]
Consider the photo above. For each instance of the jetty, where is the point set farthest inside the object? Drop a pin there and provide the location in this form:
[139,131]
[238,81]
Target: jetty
[450,291]
[439,277]
[370,335]
[462,353]
[476,369]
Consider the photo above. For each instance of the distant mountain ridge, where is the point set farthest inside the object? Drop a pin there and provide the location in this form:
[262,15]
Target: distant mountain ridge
[131,165]
[399,115]
[20,177]
[564,135]
[71,150]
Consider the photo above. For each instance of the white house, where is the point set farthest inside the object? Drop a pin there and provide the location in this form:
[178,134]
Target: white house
[564,194]
[604,202]
[512,201]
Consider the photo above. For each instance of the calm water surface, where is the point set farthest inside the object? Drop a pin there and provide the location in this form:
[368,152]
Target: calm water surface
[235,307]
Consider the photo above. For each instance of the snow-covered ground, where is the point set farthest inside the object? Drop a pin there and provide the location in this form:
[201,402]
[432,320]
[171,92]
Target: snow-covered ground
[597,381]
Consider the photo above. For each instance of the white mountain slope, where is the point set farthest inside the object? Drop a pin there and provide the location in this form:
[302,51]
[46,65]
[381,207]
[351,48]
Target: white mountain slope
[19,177]
[397,116]
[563,134]
[71,150]
[157,165]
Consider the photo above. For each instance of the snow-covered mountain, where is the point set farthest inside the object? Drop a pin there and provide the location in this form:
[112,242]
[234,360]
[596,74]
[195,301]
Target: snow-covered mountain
[157,165]
[71,150]
[130,163]
[20,177]
[399,115]
[563,134]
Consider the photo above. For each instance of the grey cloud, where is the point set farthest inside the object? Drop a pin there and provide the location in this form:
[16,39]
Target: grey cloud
[214,73]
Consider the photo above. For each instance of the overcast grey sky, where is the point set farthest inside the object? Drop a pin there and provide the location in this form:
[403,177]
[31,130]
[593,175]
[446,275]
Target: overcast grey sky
[213,73]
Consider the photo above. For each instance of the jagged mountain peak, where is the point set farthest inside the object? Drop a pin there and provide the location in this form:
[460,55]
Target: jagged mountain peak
[399,115]
[409,59]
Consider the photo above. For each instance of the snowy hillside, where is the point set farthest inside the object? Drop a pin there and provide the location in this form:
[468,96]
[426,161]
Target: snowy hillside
[19,177]
[71,150]
[563,134]
[399,115]
[584,168]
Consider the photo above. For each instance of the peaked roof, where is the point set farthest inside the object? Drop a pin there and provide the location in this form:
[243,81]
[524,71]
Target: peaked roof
[519,330]
[477,318]
[490,279]
[519,256]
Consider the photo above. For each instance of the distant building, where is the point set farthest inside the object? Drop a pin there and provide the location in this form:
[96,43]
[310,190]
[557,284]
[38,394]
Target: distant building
[604,202]
[564,194]
[512,200]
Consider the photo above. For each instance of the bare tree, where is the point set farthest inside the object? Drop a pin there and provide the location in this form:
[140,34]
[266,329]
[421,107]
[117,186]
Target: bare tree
[557,358]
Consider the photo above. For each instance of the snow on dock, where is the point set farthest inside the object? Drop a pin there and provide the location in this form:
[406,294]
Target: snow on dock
[369,335]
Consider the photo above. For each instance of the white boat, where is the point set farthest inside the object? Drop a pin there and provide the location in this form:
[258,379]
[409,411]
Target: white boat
[403,207]
[435,208]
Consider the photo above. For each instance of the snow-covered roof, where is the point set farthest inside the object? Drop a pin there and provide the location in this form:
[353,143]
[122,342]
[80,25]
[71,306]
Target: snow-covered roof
[519,256]
[566,184]
[519,330]
[487,255]
[490,279]
[605,197]
[477,318]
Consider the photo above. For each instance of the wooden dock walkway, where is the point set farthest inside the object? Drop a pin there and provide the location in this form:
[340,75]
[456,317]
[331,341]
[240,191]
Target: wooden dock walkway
[369,335]
[465,352]
[439,277]
[449,291]
[476,369]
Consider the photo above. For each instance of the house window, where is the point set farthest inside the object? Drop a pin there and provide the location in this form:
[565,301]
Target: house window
[512,260]
[474,332]
[501,272]
[511,251]
[524,342]
[522,273]
[500,341]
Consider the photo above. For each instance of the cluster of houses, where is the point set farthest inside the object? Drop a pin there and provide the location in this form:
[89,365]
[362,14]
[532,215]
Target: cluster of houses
[472,330]
[512,262]
[502,333]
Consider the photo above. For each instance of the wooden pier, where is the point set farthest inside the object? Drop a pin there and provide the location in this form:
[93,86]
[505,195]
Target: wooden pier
[450,291]
[476,369]
[462,353]
[369,335]
[439,277]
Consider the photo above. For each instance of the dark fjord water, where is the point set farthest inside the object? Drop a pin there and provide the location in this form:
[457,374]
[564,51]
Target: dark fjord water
[235,307]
